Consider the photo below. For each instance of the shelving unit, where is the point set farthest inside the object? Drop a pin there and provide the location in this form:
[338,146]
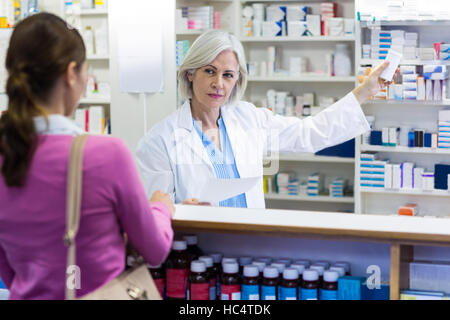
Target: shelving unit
[402,235]
[277,196]
[413,113]
[314,49]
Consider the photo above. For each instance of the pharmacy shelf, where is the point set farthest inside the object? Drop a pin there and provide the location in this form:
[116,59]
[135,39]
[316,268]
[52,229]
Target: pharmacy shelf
[307,157]
[414,62]
[305,78]
[434,193]
[95,58]
[288,197]
[93,100]
[93,12]
[402,149]
[398,23]
[191,32]
[445,102]
[298,39]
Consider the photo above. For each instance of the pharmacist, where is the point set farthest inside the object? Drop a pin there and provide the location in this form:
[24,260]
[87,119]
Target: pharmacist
[215,134]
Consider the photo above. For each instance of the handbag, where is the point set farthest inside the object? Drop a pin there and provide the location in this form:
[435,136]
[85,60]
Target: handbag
[133,284]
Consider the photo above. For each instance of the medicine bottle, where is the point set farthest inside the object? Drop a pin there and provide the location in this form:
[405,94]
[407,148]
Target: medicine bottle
[306,110]
[286,262]
[289,284]
[266,260]
[340,270]
[344,264]
[217,258]
[323,263]
[280,267]
[310,285]
[300,268]
[192,246]
[306,263]
[250,283]
[328,291]
[198,288]
[157,273]
[231,282]
[177,271]
[320,269]
[269,287]
[243,261]
[210,270]
[261,265]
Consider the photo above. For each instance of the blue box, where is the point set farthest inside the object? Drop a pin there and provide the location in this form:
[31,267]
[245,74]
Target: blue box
[349,288]
[427,140]
[346,150]
[441,171]
[376,138]
[2,285]
[375,294]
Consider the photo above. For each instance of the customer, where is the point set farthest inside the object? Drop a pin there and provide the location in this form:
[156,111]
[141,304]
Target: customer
[46,63]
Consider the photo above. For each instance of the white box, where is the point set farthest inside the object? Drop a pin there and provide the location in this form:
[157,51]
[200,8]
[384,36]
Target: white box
[420,88]
[314,24]
[394,136]
[430,276]
[396,176]
[96,118]
[388,176]
[407,175]
[394,60]
[417,183]
[296,28]
[385,136]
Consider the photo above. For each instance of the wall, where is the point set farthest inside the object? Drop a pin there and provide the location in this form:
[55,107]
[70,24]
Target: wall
[128,117]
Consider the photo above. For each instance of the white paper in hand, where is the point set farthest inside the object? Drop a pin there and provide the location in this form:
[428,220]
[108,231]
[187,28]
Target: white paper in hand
[394,60]
[216,190]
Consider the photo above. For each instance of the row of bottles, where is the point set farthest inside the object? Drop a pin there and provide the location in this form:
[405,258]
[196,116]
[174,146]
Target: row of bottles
[188,274]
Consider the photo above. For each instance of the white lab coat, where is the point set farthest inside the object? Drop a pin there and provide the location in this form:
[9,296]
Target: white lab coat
[172,158]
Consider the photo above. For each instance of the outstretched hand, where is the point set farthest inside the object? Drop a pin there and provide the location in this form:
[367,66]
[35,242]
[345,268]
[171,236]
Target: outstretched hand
[372,84]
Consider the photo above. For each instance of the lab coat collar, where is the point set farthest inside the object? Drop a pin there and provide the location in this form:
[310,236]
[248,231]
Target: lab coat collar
[185,117]
[57,124]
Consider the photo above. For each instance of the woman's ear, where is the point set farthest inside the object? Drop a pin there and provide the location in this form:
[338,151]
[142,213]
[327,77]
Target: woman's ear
[71,74]
[190,76]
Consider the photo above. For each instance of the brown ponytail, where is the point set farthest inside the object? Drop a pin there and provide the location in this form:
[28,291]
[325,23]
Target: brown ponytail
[40,50]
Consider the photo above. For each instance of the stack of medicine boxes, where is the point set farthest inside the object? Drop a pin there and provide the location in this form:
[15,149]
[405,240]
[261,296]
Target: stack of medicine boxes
[314,184]
[337,188]
[444,129]
[372,171]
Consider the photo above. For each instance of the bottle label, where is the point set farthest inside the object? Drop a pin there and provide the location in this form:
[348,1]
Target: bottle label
[250,292]
[288,293]
[160,286]
[199,291]
[308,294]
[268,293]
[212,289]
[218,290]
[328,294]
[230,292]
[176,283]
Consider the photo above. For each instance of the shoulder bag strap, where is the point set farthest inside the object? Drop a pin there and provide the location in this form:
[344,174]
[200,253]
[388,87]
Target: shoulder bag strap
[73,204]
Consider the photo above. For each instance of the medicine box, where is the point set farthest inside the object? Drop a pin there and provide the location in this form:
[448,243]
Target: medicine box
[441,171]
[349,288]
[409,209]
[421,295]
[430,276]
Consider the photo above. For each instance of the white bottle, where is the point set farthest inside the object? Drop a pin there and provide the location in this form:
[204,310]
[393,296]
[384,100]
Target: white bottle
[342,61]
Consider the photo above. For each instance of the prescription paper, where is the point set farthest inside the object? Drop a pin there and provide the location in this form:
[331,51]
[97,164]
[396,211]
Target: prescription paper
[216,190]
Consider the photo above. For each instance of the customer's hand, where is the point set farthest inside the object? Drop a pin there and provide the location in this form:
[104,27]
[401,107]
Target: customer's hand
[194,201]
[160,196]
[372,84]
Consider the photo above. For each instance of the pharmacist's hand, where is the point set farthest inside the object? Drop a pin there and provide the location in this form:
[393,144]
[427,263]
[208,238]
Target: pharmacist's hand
[372,84]
[196,202]
[160,196]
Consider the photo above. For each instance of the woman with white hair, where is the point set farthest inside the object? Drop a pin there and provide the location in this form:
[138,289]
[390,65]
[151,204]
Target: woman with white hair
[216,135]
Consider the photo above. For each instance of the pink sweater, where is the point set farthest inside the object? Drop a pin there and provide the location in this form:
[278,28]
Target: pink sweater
[33,219]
